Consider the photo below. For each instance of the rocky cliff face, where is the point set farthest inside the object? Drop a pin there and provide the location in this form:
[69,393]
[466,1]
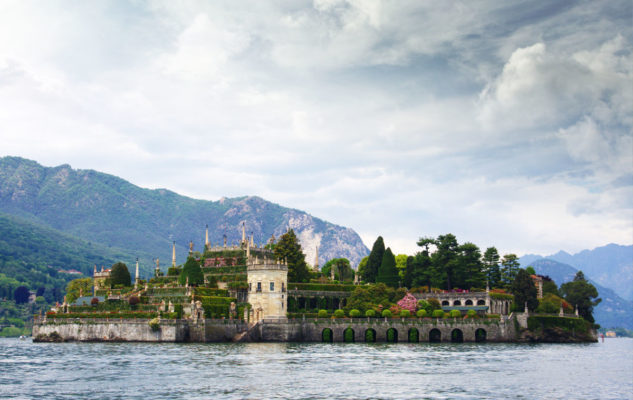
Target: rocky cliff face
[108,210]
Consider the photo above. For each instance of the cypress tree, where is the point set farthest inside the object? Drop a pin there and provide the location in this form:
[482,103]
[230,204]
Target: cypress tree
[192,270]
[374,261]
[524,290]
[119,275]
[388,273]
[288,248]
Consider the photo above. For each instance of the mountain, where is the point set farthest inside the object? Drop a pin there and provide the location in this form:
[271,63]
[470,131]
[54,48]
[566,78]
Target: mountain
[111,212]
[613,310]
[36,256]
[610,266]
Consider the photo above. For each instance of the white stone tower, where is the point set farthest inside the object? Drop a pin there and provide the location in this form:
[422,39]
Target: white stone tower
[173,254]
[267,288]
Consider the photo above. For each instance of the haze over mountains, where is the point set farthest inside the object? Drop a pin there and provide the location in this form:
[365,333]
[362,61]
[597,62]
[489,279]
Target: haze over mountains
[111,212]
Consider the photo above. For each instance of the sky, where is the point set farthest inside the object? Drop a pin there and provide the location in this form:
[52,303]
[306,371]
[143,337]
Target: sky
[508,124]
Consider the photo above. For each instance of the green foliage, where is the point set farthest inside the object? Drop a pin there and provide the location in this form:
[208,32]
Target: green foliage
[501,296]
[288,248]
[322,314]
[530,270]
[550,304]
[509,269]
[581,294]
[354,313]
[421,313]
[370,313]
[192,271]
[437,314]
[578,325]
[77,286]
[154,323]
[492,270]
[348,335]
[387,272]
[469,271]
[342,269]
[405,313]
[173,271]
[322,287]
[178,310]
[549,287]
[391,335]
[362,266]
[11,331]
[339,313]
[133,301]
[120,275]
[524,291]
[386,313]
[471,313]
[372,297]
[455,314]
[21,295]
[435,304]
[370,336]
[445,259]
[374,261]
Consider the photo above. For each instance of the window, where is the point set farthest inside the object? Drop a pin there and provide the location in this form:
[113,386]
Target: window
[250,287]
[283,287]
[272,286]
[259,286]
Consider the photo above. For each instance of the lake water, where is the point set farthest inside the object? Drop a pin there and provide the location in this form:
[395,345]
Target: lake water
[305,371]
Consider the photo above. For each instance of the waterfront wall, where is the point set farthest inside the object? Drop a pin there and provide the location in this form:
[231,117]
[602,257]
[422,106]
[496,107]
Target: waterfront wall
[274,330]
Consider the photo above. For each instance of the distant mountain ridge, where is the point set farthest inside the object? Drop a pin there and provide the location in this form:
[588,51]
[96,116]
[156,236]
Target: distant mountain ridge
[613,310]
[610,266]
[112,212]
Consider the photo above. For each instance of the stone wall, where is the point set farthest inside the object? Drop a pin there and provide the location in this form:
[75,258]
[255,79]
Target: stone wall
[94,330]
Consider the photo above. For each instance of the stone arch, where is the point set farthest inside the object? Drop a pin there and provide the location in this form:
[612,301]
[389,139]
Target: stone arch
[468,302]
[414,335]
[348,335]
[327,336]
[370,335]
[392,335]
[435,336]
[457,336]
[481,302]
[480,335]
[457,303]
[445,303]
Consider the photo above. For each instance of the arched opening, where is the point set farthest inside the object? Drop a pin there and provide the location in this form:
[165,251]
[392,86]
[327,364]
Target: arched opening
[348,335]
[480,335]
[445,303]
[435,336]
[392,335]
[481,302]
[457,303]
[414,335]
[468,303]
[312,304]
[327,336]
[370,336]
[457,336]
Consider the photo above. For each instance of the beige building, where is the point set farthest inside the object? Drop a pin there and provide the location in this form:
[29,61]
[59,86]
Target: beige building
[267,284]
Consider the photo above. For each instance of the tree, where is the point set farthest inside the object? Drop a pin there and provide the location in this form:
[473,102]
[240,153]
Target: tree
[374,261]
[342,269]
[549,286]
[581,294]
[21,295]
[78,287]
[445,258]
[289,249]
[388,273]
[191,270]
[119,275]
[470,267]
[401,264]
[509,270]
[524,290]
[490,261]
[362,265]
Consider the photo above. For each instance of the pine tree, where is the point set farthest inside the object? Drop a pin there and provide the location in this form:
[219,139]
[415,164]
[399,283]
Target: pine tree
[388,272]
[510,268]
[581,294]
[289,249]
[374,261]
[491,266]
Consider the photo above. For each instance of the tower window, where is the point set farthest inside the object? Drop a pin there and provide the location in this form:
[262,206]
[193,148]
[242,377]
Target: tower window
[250,287]
[283,287]
[272,286]
[259,286]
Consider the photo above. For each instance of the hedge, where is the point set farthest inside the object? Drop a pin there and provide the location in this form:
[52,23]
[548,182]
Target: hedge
[322,314]
[421,313]
[339,313]
[455,313]
[321,287]
[224,270]
[438,314]
[370,313]
[501,296]
[566,323]
[354,313]
[126,315]
[202,291]
[405,313]
[386,313]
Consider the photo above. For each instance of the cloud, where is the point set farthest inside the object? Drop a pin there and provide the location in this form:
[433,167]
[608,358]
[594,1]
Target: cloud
[506,124]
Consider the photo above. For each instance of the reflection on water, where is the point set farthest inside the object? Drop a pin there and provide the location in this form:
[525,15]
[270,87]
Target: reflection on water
[294,370]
